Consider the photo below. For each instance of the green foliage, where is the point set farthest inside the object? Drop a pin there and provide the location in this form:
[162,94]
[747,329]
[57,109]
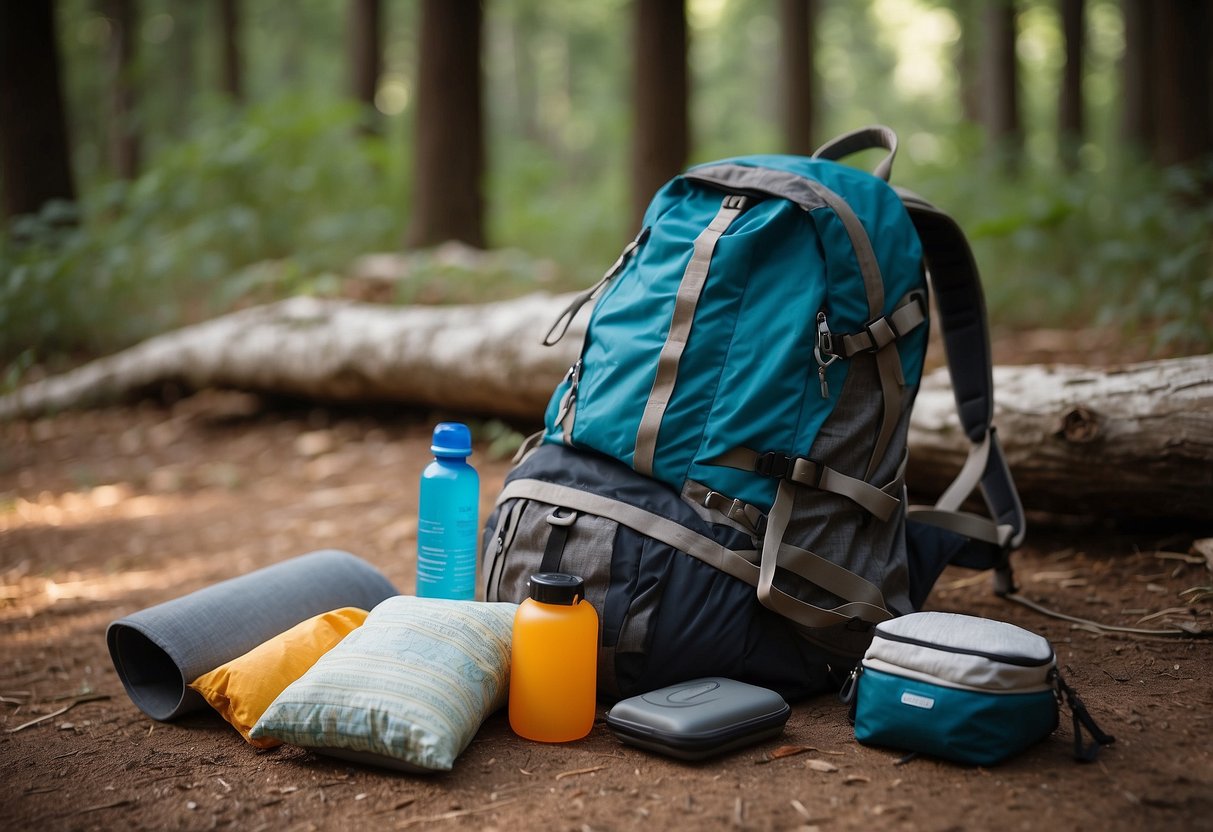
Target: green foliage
[1126,247]
[284,181]
[245,205]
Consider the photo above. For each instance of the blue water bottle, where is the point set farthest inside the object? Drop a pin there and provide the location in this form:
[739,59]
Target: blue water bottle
[448,518]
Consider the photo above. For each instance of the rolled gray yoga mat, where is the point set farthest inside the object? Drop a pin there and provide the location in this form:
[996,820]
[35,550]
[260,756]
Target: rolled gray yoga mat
[160,650]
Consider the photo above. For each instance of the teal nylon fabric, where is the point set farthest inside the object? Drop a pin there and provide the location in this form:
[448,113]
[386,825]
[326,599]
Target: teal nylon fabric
[964,726]
[747,377]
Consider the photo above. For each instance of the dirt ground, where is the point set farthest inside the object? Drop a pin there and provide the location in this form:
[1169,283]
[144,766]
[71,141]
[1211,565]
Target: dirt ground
[106,512]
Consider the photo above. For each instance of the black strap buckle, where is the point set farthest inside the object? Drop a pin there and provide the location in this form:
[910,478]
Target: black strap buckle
[773,465]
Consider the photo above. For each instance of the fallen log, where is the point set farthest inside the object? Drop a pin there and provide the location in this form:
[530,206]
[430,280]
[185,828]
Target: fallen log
[474,358]
[1128,442]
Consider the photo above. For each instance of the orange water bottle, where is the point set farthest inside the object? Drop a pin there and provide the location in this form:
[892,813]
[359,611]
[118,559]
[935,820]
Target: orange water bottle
[554,665]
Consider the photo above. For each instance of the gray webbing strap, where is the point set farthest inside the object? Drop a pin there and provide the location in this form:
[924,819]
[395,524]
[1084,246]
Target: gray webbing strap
[810,194]
[749,517]
[968,478]
[687,300]
[963,523]
[892,389]
[758,182]
[984,468]
[869,268]
[962,316]
[858,593]
[561,325]
[910,313]
[567,412]
[865,138]
[645,522]
[888,361]
[808,472]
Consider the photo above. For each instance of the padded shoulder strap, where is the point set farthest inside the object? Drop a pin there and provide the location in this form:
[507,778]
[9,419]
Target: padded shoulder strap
[966,337]
[962,312]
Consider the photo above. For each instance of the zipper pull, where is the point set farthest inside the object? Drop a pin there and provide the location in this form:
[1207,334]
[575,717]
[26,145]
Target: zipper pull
[824,347]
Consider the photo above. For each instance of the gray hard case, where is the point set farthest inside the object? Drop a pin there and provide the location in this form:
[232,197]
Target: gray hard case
[697,719]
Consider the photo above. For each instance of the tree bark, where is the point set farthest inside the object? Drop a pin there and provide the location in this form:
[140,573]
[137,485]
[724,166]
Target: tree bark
[1070,116]
[230,63]
[967,60]
[365,54]
[1000,82]
[182,68]
[1183,114]
[479,358]
[35,157]
[1129,442]
[660,91]
[448,201]
[1123,442]
[1137,76]
[124,133]
[796,53]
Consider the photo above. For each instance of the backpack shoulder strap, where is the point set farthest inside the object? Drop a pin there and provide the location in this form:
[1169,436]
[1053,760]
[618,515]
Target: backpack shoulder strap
[962,312]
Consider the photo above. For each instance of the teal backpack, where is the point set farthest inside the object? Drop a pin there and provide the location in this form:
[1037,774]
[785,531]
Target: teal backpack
[724,465]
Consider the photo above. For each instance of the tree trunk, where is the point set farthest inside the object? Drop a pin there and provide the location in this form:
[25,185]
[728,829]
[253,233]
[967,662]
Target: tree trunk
[448,202]
[365,55]
[1128,442]
[796,52]
[660,89]
[526,86]
[1070,120]
[967,60]
[183,83]
[35,160]
[1000,82]
[230,64]
[1137,76]
[124,133]
[1182,113]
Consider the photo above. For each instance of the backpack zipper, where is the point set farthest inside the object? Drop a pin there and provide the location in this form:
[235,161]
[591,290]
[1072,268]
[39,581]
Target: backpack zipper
[825,344]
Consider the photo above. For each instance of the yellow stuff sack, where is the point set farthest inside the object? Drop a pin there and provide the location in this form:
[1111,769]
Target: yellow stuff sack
[244,688]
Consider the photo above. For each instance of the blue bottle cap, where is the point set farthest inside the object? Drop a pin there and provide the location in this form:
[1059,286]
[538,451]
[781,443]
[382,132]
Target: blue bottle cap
[451,439]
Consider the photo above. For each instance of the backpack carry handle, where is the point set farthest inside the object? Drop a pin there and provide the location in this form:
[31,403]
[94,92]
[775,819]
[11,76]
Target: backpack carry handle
[864,138]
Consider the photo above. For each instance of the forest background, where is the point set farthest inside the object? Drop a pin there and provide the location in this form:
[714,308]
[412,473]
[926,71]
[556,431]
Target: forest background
[223,153]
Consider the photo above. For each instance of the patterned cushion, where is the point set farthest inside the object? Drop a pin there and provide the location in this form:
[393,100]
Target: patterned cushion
[408,689]
[243,688]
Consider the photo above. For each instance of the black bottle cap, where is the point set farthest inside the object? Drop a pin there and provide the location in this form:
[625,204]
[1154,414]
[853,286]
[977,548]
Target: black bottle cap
[556,588]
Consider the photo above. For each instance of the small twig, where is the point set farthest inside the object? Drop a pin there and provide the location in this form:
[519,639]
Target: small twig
[126,801]
[41,790]
[1162,613]
[94,697]
[578,771]
[456,813]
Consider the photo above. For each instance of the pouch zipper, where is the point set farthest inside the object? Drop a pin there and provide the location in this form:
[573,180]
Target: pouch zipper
[1018,661]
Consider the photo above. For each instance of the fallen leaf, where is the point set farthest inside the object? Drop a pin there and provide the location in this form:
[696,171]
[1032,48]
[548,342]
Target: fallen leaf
[821,765]
[855,779]
[789,751]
